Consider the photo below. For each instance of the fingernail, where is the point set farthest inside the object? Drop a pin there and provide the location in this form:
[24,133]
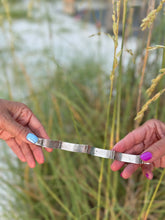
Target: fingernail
[32,138]
[147,175]
[146,156]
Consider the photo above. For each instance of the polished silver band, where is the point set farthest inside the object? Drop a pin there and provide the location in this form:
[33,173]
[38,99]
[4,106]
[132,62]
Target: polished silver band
[98,152]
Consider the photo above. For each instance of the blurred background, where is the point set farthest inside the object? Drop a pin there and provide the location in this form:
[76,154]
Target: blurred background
[83,67]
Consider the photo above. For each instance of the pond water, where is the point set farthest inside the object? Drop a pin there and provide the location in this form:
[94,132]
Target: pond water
[49,37]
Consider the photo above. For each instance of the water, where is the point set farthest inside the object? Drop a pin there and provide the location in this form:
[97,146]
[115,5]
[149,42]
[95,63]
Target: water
[50,36]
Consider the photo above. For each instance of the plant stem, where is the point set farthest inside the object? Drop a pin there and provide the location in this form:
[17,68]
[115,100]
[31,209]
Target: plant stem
[146,197]
[55,197]
[161,83]
[120,73]
[154,195]
[144,68]
[115,16]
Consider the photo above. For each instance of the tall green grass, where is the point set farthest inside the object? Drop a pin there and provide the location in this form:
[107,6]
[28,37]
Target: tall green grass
[83,104]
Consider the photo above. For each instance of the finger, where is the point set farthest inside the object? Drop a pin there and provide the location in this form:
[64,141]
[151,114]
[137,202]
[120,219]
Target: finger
[117,165]
[35,125]
[162,162]
[147,171]
[21,132]
[129,170]
[154,152]
[28,155]
[137,149]
[16,149]
[14,128]
[35,150]
[37,153]
[133,138]
[5,135]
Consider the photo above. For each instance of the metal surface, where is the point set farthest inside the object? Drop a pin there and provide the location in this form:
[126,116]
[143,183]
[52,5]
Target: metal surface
[98,152]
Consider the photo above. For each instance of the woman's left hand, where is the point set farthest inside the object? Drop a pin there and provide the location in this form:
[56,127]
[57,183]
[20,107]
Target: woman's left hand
[147,140]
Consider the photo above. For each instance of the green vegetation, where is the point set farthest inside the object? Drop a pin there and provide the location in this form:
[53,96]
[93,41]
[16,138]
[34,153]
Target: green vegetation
[83,104]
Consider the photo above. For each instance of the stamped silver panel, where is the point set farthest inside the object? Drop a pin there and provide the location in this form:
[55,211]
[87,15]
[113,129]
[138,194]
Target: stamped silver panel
[80,148]
[48,143]
[98,152]
[128,158]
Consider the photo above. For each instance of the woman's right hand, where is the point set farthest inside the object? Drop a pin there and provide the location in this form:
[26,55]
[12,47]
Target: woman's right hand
[17,122]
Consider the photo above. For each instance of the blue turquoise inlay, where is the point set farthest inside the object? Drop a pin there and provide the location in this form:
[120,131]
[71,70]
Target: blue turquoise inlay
[32,138]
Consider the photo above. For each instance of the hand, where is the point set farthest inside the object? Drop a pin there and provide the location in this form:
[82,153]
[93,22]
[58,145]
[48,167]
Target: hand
[16,122]
[147,140]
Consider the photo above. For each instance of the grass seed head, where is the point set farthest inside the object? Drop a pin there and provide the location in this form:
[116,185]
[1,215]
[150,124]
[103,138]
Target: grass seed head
[154,83]
[147,22]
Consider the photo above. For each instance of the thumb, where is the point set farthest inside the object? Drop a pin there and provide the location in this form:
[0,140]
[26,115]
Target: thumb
[17,130]
[154,152]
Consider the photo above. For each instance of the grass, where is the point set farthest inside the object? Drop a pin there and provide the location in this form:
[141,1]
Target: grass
[83,104]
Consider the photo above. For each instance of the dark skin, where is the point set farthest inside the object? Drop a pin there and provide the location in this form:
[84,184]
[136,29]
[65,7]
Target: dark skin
[16,121]
[150,137]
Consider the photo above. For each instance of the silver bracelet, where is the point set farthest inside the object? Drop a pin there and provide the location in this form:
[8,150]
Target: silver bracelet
[98,152]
